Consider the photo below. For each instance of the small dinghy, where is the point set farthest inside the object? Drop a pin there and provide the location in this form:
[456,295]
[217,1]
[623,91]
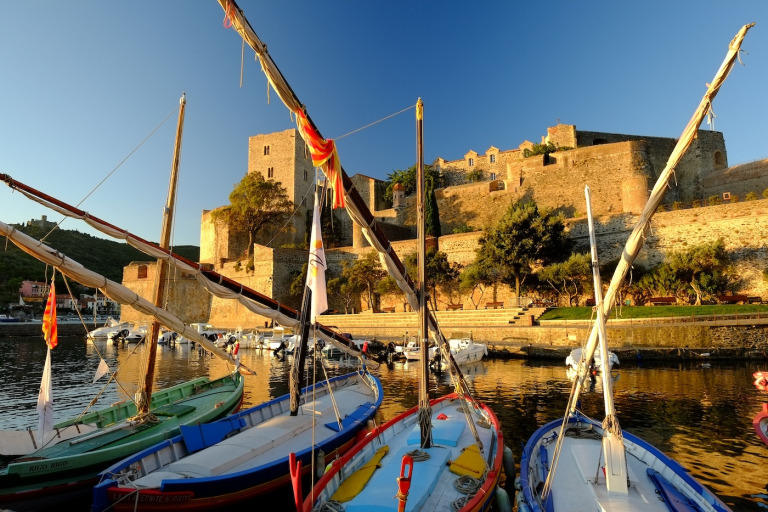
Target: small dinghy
[760,423]
[575,356]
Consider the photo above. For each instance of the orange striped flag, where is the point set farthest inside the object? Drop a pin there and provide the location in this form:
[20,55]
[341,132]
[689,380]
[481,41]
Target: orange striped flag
[50,326]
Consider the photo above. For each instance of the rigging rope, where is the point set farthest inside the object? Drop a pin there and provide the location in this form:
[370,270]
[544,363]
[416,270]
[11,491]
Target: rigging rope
[113,170]
[375,122]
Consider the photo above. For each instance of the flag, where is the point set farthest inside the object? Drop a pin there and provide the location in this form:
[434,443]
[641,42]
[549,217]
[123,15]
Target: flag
[100,371]
[50,326]
[45,403]
[316,268]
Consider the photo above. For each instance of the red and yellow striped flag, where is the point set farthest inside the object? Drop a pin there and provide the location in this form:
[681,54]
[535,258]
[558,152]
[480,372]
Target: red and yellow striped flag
[50,326]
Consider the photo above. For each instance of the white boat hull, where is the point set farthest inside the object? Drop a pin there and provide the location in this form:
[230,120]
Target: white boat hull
[575,356]
[579,480]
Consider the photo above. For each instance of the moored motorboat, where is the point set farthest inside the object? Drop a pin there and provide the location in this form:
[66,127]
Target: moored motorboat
[464,350]
[243,455]
[575,356]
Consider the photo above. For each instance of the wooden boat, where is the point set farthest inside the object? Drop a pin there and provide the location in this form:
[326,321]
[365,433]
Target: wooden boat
[42,478]
[656,482]
[241,456]
[760,424]
[464,350]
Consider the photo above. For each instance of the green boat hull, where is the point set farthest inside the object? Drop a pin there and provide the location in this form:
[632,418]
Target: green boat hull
[75,462]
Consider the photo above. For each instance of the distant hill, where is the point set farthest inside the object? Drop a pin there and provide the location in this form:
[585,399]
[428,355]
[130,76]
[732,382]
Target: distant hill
[106,257]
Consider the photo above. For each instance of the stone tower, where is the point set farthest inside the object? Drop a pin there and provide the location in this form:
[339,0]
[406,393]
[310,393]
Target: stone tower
[281,156]
[398,196]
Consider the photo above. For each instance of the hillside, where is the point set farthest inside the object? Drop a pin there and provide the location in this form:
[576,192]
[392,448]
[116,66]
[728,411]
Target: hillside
[106,257]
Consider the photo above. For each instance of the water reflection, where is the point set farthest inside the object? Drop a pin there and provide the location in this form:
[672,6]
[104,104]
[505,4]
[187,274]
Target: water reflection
[702,417]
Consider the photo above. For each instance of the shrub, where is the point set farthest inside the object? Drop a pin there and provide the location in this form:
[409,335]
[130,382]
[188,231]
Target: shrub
[765,194]
[696,204]
[751,196]
[464,228]
[714,200]
[249,267]
[734,199]
[475,175]
[677,205]
[238,266]
[661,208]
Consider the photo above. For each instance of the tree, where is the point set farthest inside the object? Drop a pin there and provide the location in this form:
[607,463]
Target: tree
[522,239]
[703,267]
[475,175]
[364,274]
[476,278]
[569,278]
[255,205]
[440,272]
[344,287]
[431,214]
[407,179]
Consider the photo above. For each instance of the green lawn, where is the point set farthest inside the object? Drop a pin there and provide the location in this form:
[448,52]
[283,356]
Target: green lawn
[655,311]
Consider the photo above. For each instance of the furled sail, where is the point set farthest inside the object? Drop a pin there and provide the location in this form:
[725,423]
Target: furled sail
[111,289]
[218,285]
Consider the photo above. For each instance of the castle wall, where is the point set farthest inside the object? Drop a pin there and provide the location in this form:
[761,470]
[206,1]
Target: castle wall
[738,180]
[186,297]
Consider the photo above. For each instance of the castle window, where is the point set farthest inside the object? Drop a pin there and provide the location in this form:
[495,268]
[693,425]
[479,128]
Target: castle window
[719,160]
[266,150]
[493,176]
[270,172]
[304,200]
[493,159]
[306,175]
[471,162]
[142,272]
[597,142]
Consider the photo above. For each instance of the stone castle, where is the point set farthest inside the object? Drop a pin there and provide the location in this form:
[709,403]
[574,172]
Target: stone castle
[620,170]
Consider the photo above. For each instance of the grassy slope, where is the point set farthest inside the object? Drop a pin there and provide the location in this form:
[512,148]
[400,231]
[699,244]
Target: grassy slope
[655,311]
[106,257]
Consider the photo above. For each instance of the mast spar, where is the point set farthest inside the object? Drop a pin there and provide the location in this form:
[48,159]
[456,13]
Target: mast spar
[144,395]
[425,412]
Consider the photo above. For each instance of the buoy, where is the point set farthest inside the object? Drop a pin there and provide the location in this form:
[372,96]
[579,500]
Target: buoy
[522,506]
[503,504]
[508,461]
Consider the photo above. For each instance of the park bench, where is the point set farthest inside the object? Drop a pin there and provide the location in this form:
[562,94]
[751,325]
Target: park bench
[388,310]
[454,307]
[754,300]
[662,301]
[590,303]
[732,299]
[494,305]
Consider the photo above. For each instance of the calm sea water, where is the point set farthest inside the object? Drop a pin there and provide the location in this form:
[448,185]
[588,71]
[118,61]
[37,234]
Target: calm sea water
[699,414]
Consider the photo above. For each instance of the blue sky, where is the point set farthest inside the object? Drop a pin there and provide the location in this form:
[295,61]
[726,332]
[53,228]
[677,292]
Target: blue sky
[83,83]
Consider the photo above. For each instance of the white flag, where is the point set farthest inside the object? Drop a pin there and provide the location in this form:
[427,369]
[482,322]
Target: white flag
[100,371]
[316,267]
[45,403]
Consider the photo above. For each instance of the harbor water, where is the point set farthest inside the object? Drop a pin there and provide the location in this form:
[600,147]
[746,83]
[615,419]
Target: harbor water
[700,414]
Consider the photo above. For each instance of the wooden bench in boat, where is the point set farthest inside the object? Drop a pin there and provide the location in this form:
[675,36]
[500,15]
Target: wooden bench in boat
[494,305]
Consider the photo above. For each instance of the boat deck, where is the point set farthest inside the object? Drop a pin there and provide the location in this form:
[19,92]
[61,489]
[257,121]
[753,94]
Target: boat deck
[268,440]
[432,481]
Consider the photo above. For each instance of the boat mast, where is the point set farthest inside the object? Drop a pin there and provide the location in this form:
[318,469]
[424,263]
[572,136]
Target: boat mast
[300,352]
[425,412]
[613,445]
[144,395]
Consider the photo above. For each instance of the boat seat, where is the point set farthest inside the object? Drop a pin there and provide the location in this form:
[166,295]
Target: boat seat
[377,495]
[672,498]
[236,450]
[173,410]
[155,479]
[356,416]
[443,432]
[197,437]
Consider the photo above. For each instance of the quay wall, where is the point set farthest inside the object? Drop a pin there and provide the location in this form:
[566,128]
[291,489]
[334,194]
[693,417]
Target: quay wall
[35,329]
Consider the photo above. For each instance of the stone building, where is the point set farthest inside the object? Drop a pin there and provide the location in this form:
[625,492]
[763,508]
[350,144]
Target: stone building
[620,170]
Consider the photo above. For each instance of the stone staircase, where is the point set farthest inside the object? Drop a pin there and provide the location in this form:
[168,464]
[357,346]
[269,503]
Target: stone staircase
[464,319]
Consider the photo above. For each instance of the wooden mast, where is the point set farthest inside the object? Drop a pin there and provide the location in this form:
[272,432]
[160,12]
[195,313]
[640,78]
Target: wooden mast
[145,394]
[425,412]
